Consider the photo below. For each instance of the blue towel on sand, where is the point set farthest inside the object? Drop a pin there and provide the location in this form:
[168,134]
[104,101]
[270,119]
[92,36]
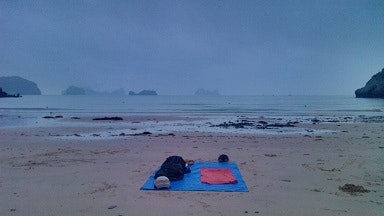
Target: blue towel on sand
[192,182]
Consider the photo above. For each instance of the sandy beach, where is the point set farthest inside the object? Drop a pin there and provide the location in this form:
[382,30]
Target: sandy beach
[52,171]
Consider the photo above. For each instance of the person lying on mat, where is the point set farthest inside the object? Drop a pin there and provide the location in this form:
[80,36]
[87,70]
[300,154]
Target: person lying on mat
[173,169]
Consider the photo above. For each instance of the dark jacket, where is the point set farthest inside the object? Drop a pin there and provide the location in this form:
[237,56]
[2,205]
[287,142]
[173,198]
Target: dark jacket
[174,168]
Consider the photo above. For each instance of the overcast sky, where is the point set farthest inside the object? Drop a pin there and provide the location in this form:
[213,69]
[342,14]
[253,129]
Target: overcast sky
[176,47]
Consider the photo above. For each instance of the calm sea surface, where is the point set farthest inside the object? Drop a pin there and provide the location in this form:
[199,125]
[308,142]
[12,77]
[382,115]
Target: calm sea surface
[22,111]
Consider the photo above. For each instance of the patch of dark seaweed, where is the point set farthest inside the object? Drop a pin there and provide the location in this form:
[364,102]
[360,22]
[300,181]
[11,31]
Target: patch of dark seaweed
[370,119]
[141,134]
[353,189]
[234,124]
[53,117]
[108,119]
[251,124]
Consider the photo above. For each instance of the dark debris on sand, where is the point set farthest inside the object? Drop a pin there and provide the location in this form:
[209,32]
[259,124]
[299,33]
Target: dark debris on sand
[141,134]
[53,117]
[108,119]
[353,189]
[244,123]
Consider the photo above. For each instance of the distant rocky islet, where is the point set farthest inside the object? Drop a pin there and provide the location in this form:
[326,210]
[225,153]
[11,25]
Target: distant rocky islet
[74,90]
[205,92]
[15,85]
[144,92]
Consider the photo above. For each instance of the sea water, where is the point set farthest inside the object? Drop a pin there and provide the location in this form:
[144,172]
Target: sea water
[28,110]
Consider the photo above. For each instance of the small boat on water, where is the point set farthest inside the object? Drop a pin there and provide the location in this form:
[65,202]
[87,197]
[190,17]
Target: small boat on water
[5,94]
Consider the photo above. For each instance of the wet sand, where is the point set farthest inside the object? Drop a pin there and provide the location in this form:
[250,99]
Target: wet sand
[48,171]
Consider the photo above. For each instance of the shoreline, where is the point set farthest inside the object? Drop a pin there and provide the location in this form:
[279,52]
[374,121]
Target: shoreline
[286,174]
[111,126]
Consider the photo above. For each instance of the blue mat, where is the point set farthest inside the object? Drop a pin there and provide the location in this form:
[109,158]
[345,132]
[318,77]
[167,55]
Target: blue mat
[191,181]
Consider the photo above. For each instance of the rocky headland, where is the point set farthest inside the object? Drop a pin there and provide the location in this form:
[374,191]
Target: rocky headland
[374,88]
[14,85]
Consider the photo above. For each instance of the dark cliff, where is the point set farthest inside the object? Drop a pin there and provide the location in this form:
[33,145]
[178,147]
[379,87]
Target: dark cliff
[374,88]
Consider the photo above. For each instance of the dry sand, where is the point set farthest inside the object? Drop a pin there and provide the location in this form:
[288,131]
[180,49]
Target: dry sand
[45,173]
